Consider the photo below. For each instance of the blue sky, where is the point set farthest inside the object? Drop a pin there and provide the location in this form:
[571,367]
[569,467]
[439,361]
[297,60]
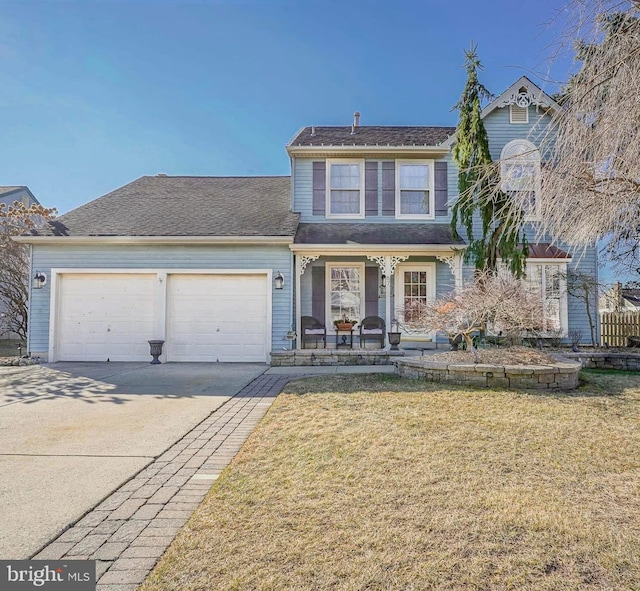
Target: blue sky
[95,94]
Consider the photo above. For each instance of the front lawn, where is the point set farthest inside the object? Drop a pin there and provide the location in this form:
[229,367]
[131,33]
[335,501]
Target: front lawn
[379,483]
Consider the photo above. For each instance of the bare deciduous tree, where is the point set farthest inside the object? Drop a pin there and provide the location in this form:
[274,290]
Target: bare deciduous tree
[497,304]
[591,184]
[15,220]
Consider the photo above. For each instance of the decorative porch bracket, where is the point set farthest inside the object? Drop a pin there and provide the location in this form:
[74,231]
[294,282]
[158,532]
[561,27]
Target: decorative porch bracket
[387,263]
[454,262]
[305,260]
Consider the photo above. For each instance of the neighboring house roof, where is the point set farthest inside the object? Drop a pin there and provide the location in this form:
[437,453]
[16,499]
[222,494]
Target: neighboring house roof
[5,190]
[363,233]
[631,295]
[185,206]
[8,191]
[371,135]
[544,250]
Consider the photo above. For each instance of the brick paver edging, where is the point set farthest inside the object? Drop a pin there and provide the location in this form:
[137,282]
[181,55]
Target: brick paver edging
[129,531]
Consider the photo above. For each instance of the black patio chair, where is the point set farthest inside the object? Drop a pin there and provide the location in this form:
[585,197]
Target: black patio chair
[312,330]
[372,328]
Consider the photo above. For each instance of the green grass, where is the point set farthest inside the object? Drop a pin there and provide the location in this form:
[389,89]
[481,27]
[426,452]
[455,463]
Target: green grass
[380,483]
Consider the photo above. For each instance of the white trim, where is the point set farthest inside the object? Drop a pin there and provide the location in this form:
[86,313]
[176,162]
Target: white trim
[154,239]
[327,282]
[161,296]
[398,291]
[430,188]
[516,122]
[328,189]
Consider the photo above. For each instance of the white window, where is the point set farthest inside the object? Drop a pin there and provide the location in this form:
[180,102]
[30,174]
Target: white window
[345,286]
[520,175]
[414,284]
[550,280]
[345,188]
[414,189]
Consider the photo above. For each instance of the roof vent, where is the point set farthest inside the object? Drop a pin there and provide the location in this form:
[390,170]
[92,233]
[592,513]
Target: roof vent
[353,130]
[356,119]
[313,130]
[162,174]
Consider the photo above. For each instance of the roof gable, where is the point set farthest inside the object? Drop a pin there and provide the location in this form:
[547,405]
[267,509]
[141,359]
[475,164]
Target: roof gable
[532,95]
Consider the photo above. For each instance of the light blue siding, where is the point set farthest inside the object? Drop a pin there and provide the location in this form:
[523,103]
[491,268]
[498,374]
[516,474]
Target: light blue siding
[303,194]
[46,257]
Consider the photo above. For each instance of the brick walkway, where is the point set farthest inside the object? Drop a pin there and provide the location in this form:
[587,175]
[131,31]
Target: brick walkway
[130,530]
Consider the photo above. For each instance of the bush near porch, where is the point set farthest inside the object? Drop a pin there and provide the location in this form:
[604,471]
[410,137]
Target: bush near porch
[376,482]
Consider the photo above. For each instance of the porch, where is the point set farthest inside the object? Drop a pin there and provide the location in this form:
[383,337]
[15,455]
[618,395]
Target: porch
[345,279]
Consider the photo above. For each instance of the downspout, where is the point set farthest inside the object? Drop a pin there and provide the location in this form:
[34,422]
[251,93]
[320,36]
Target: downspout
[292,160]
[30,293]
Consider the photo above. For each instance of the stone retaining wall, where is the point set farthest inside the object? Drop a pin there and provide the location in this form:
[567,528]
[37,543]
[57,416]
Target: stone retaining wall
[334,357]
[562,375]
[594,360]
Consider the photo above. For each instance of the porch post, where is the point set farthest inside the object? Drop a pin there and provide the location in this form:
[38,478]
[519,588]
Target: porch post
[387,292]
[298,316]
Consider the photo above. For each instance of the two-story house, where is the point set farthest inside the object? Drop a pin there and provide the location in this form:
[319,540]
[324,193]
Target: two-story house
[223,269]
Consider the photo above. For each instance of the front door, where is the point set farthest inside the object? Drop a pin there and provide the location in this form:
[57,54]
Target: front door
[414,283]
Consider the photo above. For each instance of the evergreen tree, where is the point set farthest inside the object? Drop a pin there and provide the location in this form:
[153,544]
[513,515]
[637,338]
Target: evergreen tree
[501,232]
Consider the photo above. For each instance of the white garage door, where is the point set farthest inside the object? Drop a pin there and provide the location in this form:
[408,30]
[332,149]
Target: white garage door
[105,316]
[217,318]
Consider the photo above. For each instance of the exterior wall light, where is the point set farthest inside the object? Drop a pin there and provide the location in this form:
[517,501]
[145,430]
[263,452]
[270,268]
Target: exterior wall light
[39,280]
[278,280]
[383,281]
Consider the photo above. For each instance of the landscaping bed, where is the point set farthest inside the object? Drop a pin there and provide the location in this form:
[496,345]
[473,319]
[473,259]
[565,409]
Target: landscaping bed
[515,367]
[377,482]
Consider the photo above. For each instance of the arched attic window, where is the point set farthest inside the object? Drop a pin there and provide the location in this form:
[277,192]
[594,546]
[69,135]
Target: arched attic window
[520,174]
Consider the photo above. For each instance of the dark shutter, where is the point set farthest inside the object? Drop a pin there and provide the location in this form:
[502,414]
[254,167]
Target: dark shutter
[318,293]
[319,188]
[442,196]
[371,291]
[371,188]
[388,188]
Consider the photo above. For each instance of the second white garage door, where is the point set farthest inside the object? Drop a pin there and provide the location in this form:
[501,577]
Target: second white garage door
[217,318]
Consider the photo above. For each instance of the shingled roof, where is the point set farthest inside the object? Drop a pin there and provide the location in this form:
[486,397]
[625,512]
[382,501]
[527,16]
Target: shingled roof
[371,135]
[357,233]
[185,206]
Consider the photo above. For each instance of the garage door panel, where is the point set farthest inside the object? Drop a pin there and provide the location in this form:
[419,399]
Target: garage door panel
[105,316]
[217,318]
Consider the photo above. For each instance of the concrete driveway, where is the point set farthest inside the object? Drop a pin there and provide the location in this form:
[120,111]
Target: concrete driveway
[71,433]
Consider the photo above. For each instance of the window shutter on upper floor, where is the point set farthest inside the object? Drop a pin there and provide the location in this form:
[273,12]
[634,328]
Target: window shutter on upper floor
[371,188]
[388,188]
[441,188]
[371,291]
[318,293]
[319,188]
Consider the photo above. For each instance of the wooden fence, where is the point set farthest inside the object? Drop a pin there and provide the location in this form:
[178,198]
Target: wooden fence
[617,327]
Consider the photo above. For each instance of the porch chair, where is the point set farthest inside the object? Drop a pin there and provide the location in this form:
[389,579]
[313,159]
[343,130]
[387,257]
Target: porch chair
[372,328]
[311,329]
